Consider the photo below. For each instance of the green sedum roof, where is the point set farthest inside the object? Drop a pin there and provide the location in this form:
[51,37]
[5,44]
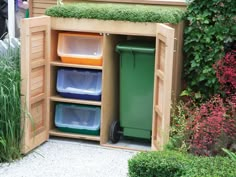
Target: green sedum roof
[121,12]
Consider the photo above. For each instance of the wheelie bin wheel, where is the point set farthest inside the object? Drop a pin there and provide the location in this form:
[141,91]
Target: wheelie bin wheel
[115,132]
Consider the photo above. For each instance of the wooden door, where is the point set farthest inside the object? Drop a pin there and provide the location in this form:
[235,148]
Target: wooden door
[35,52]
[162,86]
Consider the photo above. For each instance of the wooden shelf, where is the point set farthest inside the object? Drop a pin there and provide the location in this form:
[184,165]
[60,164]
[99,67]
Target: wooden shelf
[56,132]
[61,64]
[58,98]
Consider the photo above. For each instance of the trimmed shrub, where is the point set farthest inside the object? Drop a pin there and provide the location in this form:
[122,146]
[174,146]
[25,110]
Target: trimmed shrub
[175,164]
[210,167]
[157,164]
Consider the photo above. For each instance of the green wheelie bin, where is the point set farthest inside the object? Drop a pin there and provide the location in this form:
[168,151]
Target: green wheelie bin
[137,60]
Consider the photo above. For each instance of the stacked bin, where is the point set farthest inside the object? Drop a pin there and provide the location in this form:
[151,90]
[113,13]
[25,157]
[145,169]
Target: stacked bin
[83,84]
[79,83]
[78,118]
[80,48]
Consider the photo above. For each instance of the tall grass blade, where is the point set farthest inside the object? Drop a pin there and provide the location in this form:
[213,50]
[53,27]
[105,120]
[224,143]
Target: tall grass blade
[10,105]
[232,155]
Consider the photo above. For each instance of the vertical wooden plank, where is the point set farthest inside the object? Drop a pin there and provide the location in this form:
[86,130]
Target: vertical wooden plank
[52,76]
[178,60]
[30,8]
[52,92]
[162,85]
[38,7]
[54,43]
[110,109]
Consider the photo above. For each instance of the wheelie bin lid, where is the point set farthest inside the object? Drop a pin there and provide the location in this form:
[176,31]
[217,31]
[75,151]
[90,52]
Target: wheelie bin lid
[136,46]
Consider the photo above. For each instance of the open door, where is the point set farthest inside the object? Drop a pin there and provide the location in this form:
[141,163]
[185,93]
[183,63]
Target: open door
[35,52]
[162,86]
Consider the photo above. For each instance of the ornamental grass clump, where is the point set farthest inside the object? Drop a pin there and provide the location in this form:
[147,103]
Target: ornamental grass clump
[10,106]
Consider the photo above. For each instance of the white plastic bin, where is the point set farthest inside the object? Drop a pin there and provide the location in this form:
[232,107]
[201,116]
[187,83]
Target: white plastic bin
[79,48]
[78,118]
[79,84]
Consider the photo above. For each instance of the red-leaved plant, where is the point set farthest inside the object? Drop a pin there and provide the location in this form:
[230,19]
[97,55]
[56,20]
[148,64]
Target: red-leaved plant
[226,74]
[213,127]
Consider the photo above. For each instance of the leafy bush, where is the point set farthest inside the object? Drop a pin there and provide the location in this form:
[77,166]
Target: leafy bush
[178,134]
[213,124]
[210,167]
[174,164]
[10,106]
[203,129]
[157,164]
[226,74]
[213,127]
[211,24]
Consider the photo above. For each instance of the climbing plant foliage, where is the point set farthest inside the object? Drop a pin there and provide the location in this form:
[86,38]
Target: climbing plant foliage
[211,24]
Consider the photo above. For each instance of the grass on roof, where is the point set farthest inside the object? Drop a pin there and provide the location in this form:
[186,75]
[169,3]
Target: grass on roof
[121,12]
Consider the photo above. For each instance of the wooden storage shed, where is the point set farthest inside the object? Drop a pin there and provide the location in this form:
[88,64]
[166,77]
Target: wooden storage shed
[39,62]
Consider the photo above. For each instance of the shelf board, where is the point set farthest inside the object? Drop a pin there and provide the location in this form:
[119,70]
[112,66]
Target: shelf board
[56,132]
[61,64]
[58,98]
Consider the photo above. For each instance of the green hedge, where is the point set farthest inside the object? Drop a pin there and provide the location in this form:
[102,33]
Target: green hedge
[175,164]
[123,12]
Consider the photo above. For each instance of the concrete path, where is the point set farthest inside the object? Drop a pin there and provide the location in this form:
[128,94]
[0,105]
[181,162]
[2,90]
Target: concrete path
[67,158]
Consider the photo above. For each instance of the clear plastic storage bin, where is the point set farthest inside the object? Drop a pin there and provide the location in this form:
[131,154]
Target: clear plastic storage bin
[79,84]
[78,48]
[78,118]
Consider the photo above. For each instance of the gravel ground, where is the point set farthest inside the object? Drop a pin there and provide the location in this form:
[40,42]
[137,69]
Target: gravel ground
[67,158]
